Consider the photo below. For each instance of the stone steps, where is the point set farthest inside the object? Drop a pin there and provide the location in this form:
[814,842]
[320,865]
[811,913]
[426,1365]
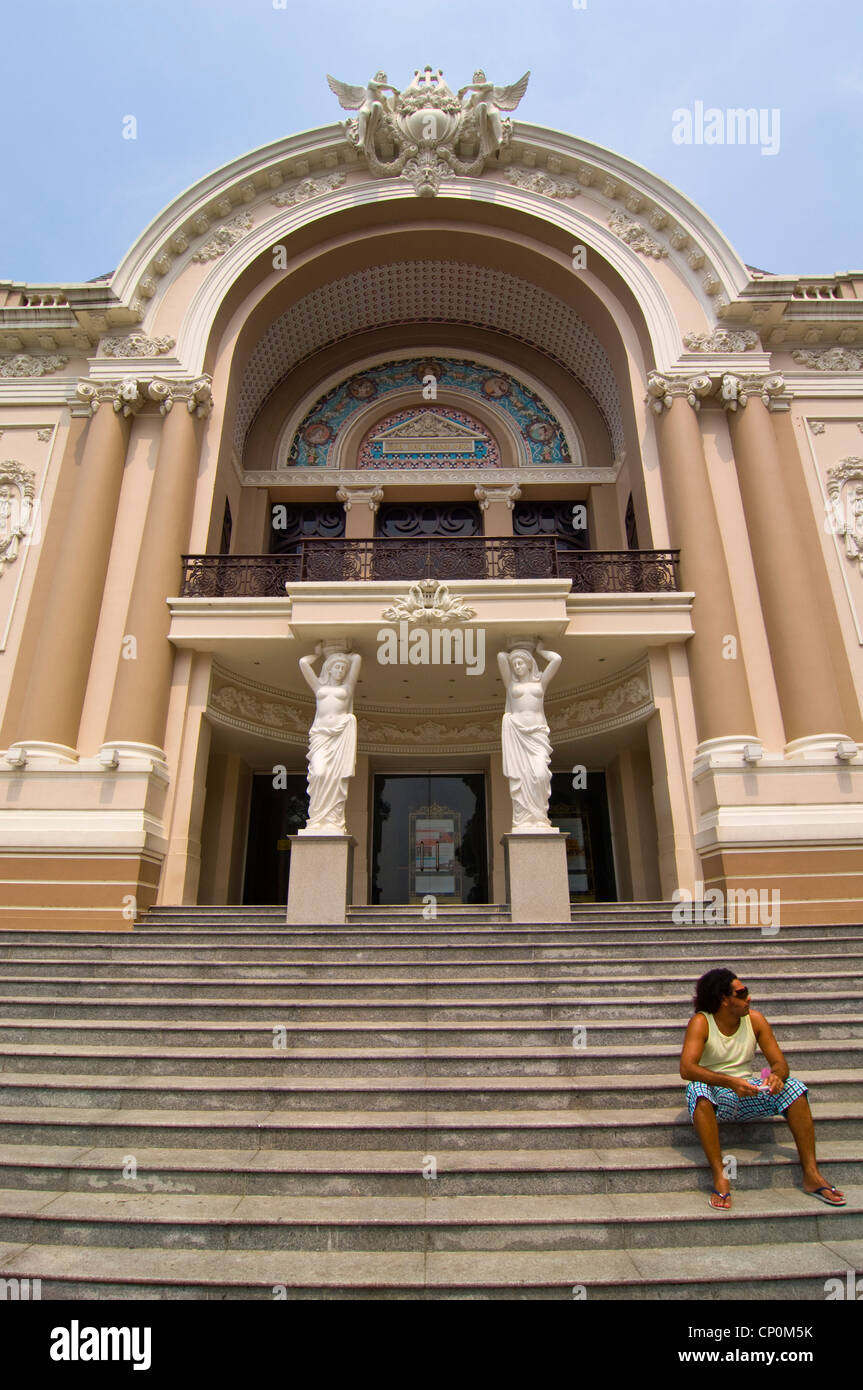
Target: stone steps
[426,1222]
[377,1093]
[397,1129]
[784,1271]
[405,1041]
[268,1065]
[275,1012]
[379,1172]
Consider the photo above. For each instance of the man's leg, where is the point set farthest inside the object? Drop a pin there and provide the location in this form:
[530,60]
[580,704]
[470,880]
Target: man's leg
[707,1129]
[799,1118]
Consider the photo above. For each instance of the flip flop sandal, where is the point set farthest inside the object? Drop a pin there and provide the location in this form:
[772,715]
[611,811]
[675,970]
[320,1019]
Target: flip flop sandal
[714,1207]
[826,1200]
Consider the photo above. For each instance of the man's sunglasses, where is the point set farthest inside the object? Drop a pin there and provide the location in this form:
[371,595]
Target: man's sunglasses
[741,993]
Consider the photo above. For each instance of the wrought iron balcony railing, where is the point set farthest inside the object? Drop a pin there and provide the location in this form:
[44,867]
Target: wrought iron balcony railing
[519,557]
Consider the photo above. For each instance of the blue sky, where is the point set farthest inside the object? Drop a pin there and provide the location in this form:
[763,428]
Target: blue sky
[208,80]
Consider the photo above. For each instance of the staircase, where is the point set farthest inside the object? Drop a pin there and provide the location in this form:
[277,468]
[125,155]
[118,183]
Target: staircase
[215,1106]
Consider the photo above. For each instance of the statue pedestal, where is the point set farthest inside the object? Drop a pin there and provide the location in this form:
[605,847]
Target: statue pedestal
[537,884]
[319,878]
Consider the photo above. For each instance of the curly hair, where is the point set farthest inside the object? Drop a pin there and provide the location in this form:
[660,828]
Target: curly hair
[711,989]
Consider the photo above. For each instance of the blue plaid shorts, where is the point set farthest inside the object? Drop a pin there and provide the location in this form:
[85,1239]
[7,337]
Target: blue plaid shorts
[732,1107]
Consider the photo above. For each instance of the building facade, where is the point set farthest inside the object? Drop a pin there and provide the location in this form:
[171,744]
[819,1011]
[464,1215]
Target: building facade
[424,384]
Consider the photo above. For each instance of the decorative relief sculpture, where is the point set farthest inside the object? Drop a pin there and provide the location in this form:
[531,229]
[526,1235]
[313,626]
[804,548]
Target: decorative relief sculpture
[136,345]
[722,340]
[535,181]
[226,237]
[17,490]
[414,134]
[23,364]
[525,733]
[304,189]
[846,515]
[429,602]
[332,755]
[830,360]
[636,236]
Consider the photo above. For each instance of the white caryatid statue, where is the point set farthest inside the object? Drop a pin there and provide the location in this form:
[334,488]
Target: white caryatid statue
[525,735]
[332,755]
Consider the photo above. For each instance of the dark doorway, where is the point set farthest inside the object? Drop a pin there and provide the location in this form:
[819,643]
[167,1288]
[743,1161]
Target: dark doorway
[276,812]
[583,812]
[429,837]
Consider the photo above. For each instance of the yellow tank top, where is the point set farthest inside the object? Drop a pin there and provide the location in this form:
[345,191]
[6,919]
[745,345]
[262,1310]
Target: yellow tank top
[734,1055]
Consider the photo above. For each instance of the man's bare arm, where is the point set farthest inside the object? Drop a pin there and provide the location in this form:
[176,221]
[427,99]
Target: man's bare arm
[770,1047]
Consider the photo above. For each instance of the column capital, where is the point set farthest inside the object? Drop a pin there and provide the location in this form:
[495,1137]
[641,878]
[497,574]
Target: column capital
[661,390]
[360,492]
[497,492]
[123,393]
[128,395]
[728,390]
[733,392]
[197,393]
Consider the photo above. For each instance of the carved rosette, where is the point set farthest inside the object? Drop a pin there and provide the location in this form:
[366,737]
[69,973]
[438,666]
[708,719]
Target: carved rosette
[17,491]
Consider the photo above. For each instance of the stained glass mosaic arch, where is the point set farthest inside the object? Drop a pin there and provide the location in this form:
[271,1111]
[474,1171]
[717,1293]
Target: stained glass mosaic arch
[439,435]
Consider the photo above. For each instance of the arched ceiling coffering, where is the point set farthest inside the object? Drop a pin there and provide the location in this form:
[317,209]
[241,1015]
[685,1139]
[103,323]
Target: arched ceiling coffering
[430,291]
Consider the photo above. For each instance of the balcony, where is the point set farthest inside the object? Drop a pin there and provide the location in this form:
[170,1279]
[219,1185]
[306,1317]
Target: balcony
[351,561]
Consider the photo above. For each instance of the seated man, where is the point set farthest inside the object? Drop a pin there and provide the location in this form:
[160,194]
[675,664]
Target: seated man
[717,1061]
